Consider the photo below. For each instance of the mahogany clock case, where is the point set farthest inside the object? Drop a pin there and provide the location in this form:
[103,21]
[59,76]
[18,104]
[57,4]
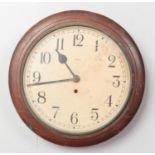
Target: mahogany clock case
[98,22]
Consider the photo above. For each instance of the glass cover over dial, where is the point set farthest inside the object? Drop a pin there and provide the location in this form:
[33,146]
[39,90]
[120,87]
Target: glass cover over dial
[76,80]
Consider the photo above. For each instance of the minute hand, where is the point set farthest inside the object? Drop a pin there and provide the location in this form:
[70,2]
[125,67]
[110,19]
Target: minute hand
[52,82]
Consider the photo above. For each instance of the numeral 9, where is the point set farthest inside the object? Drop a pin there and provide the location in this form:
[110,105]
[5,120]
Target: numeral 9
[36,77]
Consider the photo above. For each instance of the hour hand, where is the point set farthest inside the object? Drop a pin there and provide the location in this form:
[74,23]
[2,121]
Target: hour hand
[63,60]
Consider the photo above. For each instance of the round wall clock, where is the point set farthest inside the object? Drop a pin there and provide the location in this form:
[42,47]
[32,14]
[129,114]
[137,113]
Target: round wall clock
[76,78]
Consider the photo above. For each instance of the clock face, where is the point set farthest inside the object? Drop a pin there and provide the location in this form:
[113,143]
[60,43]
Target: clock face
[76,80]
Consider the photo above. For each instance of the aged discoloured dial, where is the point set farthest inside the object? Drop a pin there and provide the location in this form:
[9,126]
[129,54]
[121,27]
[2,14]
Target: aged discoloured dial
[76,80]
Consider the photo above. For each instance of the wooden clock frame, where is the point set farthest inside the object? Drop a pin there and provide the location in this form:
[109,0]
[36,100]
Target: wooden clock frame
[101,23]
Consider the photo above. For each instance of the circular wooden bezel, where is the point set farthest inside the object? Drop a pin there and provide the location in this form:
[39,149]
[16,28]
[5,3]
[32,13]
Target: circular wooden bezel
[101,23]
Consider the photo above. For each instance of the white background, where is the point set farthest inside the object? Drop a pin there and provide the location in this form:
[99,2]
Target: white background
[137,18]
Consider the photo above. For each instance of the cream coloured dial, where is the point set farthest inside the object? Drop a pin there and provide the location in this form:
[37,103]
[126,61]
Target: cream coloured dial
[76,80]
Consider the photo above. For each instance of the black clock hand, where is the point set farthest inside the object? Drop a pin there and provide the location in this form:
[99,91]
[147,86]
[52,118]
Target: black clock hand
[63,60]
[74,79]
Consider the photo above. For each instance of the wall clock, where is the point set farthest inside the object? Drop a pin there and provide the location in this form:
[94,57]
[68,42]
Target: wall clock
[76,78]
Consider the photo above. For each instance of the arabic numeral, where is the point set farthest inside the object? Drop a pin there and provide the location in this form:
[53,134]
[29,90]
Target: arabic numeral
[109,100]
[41,97]
[94,114]
[73,118]
[56,108]
[112,60]
[36,77]
[78,39]
[116,82]
[45,58]
[60,44]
